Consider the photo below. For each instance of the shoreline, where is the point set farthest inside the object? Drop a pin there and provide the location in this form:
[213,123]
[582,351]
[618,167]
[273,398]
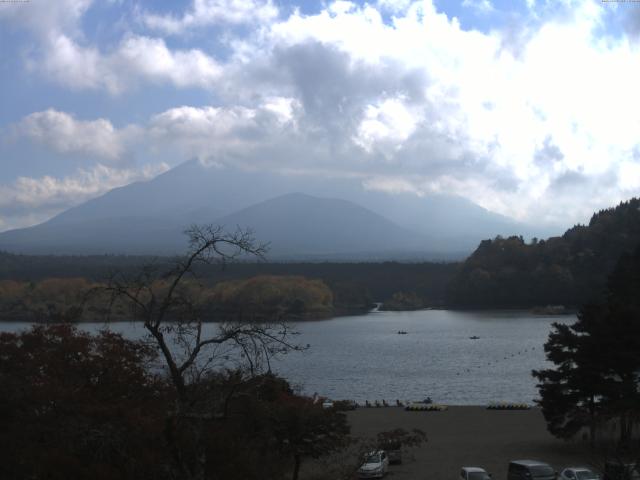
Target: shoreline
[323,316]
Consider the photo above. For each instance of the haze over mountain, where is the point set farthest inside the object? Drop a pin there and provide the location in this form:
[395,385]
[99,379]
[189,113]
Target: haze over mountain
[329,218]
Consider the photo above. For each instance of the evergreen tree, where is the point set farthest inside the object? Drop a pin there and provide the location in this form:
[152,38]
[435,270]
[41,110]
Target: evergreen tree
[597,361]
[570,393]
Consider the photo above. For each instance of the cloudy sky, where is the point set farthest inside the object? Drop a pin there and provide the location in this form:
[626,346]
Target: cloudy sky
[530,108]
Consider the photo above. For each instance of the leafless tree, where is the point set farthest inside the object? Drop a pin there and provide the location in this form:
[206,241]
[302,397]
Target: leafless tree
[168,305]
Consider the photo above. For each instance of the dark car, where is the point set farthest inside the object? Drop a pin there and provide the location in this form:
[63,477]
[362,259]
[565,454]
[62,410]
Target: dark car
[394,449]
[530,470]
[614,470]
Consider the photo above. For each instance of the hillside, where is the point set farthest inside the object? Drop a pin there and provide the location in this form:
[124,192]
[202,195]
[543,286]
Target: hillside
[293,225]
[297,224]
[568,270]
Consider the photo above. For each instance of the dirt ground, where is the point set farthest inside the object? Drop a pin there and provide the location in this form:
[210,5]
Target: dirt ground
[470,436]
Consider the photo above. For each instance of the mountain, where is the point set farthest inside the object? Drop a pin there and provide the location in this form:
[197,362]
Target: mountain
[299,224]
[148,217]
[294,225]
[571,269]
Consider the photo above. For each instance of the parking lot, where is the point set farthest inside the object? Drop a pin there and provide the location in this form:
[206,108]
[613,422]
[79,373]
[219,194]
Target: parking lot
[471,436]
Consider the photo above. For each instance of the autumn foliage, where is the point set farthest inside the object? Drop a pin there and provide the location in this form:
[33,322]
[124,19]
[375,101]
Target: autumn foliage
[77,406]
[272,296]
[53,300]
[81,406]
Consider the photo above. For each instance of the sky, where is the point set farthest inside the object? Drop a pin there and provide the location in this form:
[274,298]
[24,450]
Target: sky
[529,108]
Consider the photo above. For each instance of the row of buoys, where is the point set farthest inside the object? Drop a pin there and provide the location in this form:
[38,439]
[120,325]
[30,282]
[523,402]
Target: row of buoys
[508,406]
[435,407]
[425,407]
[490,364]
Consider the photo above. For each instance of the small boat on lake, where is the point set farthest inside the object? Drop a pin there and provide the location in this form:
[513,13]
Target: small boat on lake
[474,337]
[401,332]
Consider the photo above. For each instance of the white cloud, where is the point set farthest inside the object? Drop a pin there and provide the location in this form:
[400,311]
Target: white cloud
[73,65]
[64,54]
[136,59]
[211,12]
[222,135]
[391,185]
[386,126]
[394,6]
[489,110]
[479,6]
[61,15]
[282,107]
[543,130]
[31,200]
[150,58]
[63,133]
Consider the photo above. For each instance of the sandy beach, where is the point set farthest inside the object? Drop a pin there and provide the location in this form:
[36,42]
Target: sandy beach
[470,436]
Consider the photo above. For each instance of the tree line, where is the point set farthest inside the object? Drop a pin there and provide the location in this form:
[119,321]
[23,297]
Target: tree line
[569,270]
[300,291]
[60,300]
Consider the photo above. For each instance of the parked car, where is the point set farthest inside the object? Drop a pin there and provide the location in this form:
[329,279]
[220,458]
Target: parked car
[614,470]
[375,465]
[393,448]
[474,473]
[530,470]
[345,405]
[578,473]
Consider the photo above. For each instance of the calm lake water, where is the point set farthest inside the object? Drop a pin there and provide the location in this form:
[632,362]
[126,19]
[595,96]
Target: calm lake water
[364,358]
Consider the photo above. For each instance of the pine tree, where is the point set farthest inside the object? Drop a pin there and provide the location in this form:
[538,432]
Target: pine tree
[597,361]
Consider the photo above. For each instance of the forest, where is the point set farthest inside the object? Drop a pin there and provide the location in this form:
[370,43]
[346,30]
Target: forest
[50,288]
[569,270]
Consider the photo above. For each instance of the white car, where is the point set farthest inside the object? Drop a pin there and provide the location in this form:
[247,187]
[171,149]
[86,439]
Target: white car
[375,465]
[474,473]
[578,473]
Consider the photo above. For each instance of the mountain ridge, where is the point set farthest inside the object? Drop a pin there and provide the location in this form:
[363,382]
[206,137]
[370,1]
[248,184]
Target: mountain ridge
[151,215]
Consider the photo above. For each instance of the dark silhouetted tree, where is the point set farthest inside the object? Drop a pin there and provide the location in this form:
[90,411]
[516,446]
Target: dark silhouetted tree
[78,406]
[597,361]
[168,305]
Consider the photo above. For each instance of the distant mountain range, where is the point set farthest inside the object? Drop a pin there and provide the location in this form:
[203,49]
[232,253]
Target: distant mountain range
[331,219]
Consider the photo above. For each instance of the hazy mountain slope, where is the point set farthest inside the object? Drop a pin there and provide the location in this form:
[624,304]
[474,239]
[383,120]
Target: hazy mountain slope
[301,224]
[188,190]
[193,192]
[294,224]
[127,235]
[148,217]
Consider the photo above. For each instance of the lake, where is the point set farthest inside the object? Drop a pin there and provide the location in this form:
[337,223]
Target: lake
[364,358]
